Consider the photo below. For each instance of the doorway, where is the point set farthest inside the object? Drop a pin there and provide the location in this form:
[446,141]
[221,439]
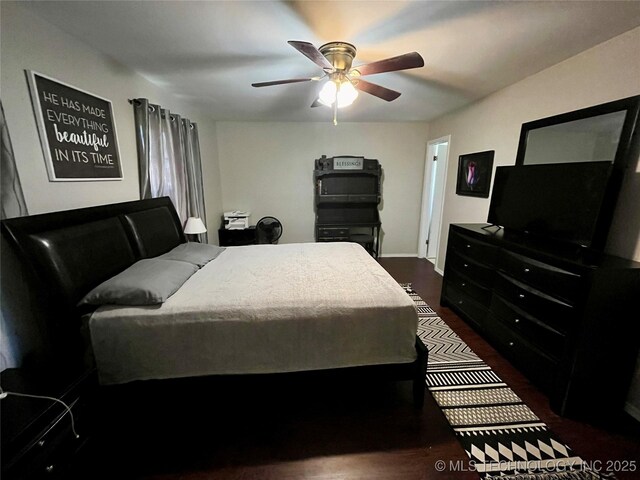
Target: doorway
[433,189]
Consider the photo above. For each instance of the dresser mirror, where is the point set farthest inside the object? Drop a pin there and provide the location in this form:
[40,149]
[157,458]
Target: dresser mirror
[595,134]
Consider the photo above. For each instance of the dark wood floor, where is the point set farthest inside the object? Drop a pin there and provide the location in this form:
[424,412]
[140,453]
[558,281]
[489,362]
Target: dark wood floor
[313,429]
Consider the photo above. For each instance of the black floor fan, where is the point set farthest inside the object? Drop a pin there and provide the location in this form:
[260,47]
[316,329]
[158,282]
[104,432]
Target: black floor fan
[268,230]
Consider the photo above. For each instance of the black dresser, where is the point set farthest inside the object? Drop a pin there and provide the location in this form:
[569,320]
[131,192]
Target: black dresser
[565,320]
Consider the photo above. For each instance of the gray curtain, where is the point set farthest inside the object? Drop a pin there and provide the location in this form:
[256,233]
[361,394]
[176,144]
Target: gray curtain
[13,204]
[169,160]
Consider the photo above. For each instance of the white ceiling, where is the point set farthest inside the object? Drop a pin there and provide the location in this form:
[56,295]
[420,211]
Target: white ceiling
[210,52]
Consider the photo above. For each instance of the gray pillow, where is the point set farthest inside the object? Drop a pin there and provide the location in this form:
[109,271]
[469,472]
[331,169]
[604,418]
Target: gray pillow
[146,282]
[196,253]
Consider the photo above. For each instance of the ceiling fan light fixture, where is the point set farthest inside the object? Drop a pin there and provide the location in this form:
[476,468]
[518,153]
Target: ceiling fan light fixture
[346,93]
[344,82]
[327,94]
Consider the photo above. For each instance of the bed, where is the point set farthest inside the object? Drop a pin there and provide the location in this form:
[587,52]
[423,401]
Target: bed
[252,310]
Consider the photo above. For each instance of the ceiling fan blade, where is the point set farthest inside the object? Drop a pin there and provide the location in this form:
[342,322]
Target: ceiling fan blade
[401,62]
[282,82]
[376,90]
[312,53]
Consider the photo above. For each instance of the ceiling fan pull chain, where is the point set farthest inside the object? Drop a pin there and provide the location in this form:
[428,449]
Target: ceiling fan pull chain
[335,106]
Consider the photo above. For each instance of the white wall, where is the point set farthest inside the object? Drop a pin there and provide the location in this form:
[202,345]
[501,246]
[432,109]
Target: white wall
[28,42]
[268,169]
[607,72]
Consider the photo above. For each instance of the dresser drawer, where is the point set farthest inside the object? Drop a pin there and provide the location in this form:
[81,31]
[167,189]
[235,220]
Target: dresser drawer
[373,198]
[540,368]
[473,311]
[540,275]
[539,334]
[467,286]
[471,269]
[548,310]
[333,233]
[476,250]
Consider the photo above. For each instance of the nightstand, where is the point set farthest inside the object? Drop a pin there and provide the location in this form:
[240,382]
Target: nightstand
[37,438]
[230,238]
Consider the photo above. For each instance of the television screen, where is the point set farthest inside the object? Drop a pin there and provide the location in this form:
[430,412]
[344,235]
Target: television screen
[558,201]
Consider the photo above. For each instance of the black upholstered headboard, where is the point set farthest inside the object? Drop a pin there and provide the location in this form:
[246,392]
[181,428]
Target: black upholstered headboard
[75,250]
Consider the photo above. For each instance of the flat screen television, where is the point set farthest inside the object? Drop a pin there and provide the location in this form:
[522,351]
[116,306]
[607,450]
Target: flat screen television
[568,202]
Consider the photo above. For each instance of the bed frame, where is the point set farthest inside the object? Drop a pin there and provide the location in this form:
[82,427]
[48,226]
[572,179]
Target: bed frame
[71,252]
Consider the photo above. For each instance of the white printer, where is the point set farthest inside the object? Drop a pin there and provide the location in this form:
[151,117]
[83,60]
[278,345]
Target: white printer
[236,220]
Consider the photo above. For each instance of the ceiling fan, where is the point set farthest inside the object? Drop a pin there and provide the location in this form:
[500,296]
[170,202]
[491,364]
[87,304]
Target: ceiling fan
[341,89]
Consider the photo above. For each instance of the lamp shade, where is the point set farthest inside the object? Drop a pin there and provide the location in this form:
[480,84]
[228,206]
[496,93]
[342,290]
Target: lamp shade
[194,226]
[346,93]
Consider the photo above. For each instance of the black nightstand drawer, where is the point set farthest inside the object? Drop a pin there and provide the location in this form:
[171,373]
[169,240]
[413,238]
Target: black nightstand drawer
[38,441]
[467,286]
[532,329]
[476,250]
[550,310]
[540,275]
[50,455]
[471,269]
[474,311]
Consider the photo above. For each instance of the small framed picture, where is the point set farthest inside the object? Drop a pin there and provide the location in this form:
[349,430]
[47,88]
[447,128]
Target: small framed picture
[474,174]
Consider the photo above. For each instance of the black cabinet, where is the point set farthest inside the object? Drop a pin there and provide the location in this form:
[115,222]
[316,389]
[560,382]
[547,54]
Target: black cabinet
[562,317]
[347,195]
[37,435]
[231,238]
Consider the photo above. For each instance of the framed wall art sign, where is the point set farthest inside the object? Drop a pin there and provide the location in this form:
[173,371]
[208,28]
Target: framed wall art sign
[474,174]
[77,131]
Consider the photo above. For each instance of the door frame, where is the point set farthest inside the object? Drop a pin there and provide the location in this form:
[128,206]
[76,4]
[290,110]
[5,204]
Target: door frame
[424,224]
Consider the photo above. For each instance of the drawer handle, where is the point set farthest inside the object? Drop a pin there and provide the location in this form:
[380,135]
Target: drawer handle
[526,270]
[511,344]
[521,295]
[517,320]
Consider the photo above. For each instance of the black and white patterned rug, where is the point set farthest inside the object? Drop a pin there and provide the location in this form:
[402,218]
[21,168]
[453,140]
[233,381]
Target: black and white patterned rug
[501,435]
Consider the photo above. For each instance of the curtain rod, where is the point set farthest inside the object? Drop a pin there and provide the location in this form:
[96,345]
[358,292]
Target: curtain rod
[135,101]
